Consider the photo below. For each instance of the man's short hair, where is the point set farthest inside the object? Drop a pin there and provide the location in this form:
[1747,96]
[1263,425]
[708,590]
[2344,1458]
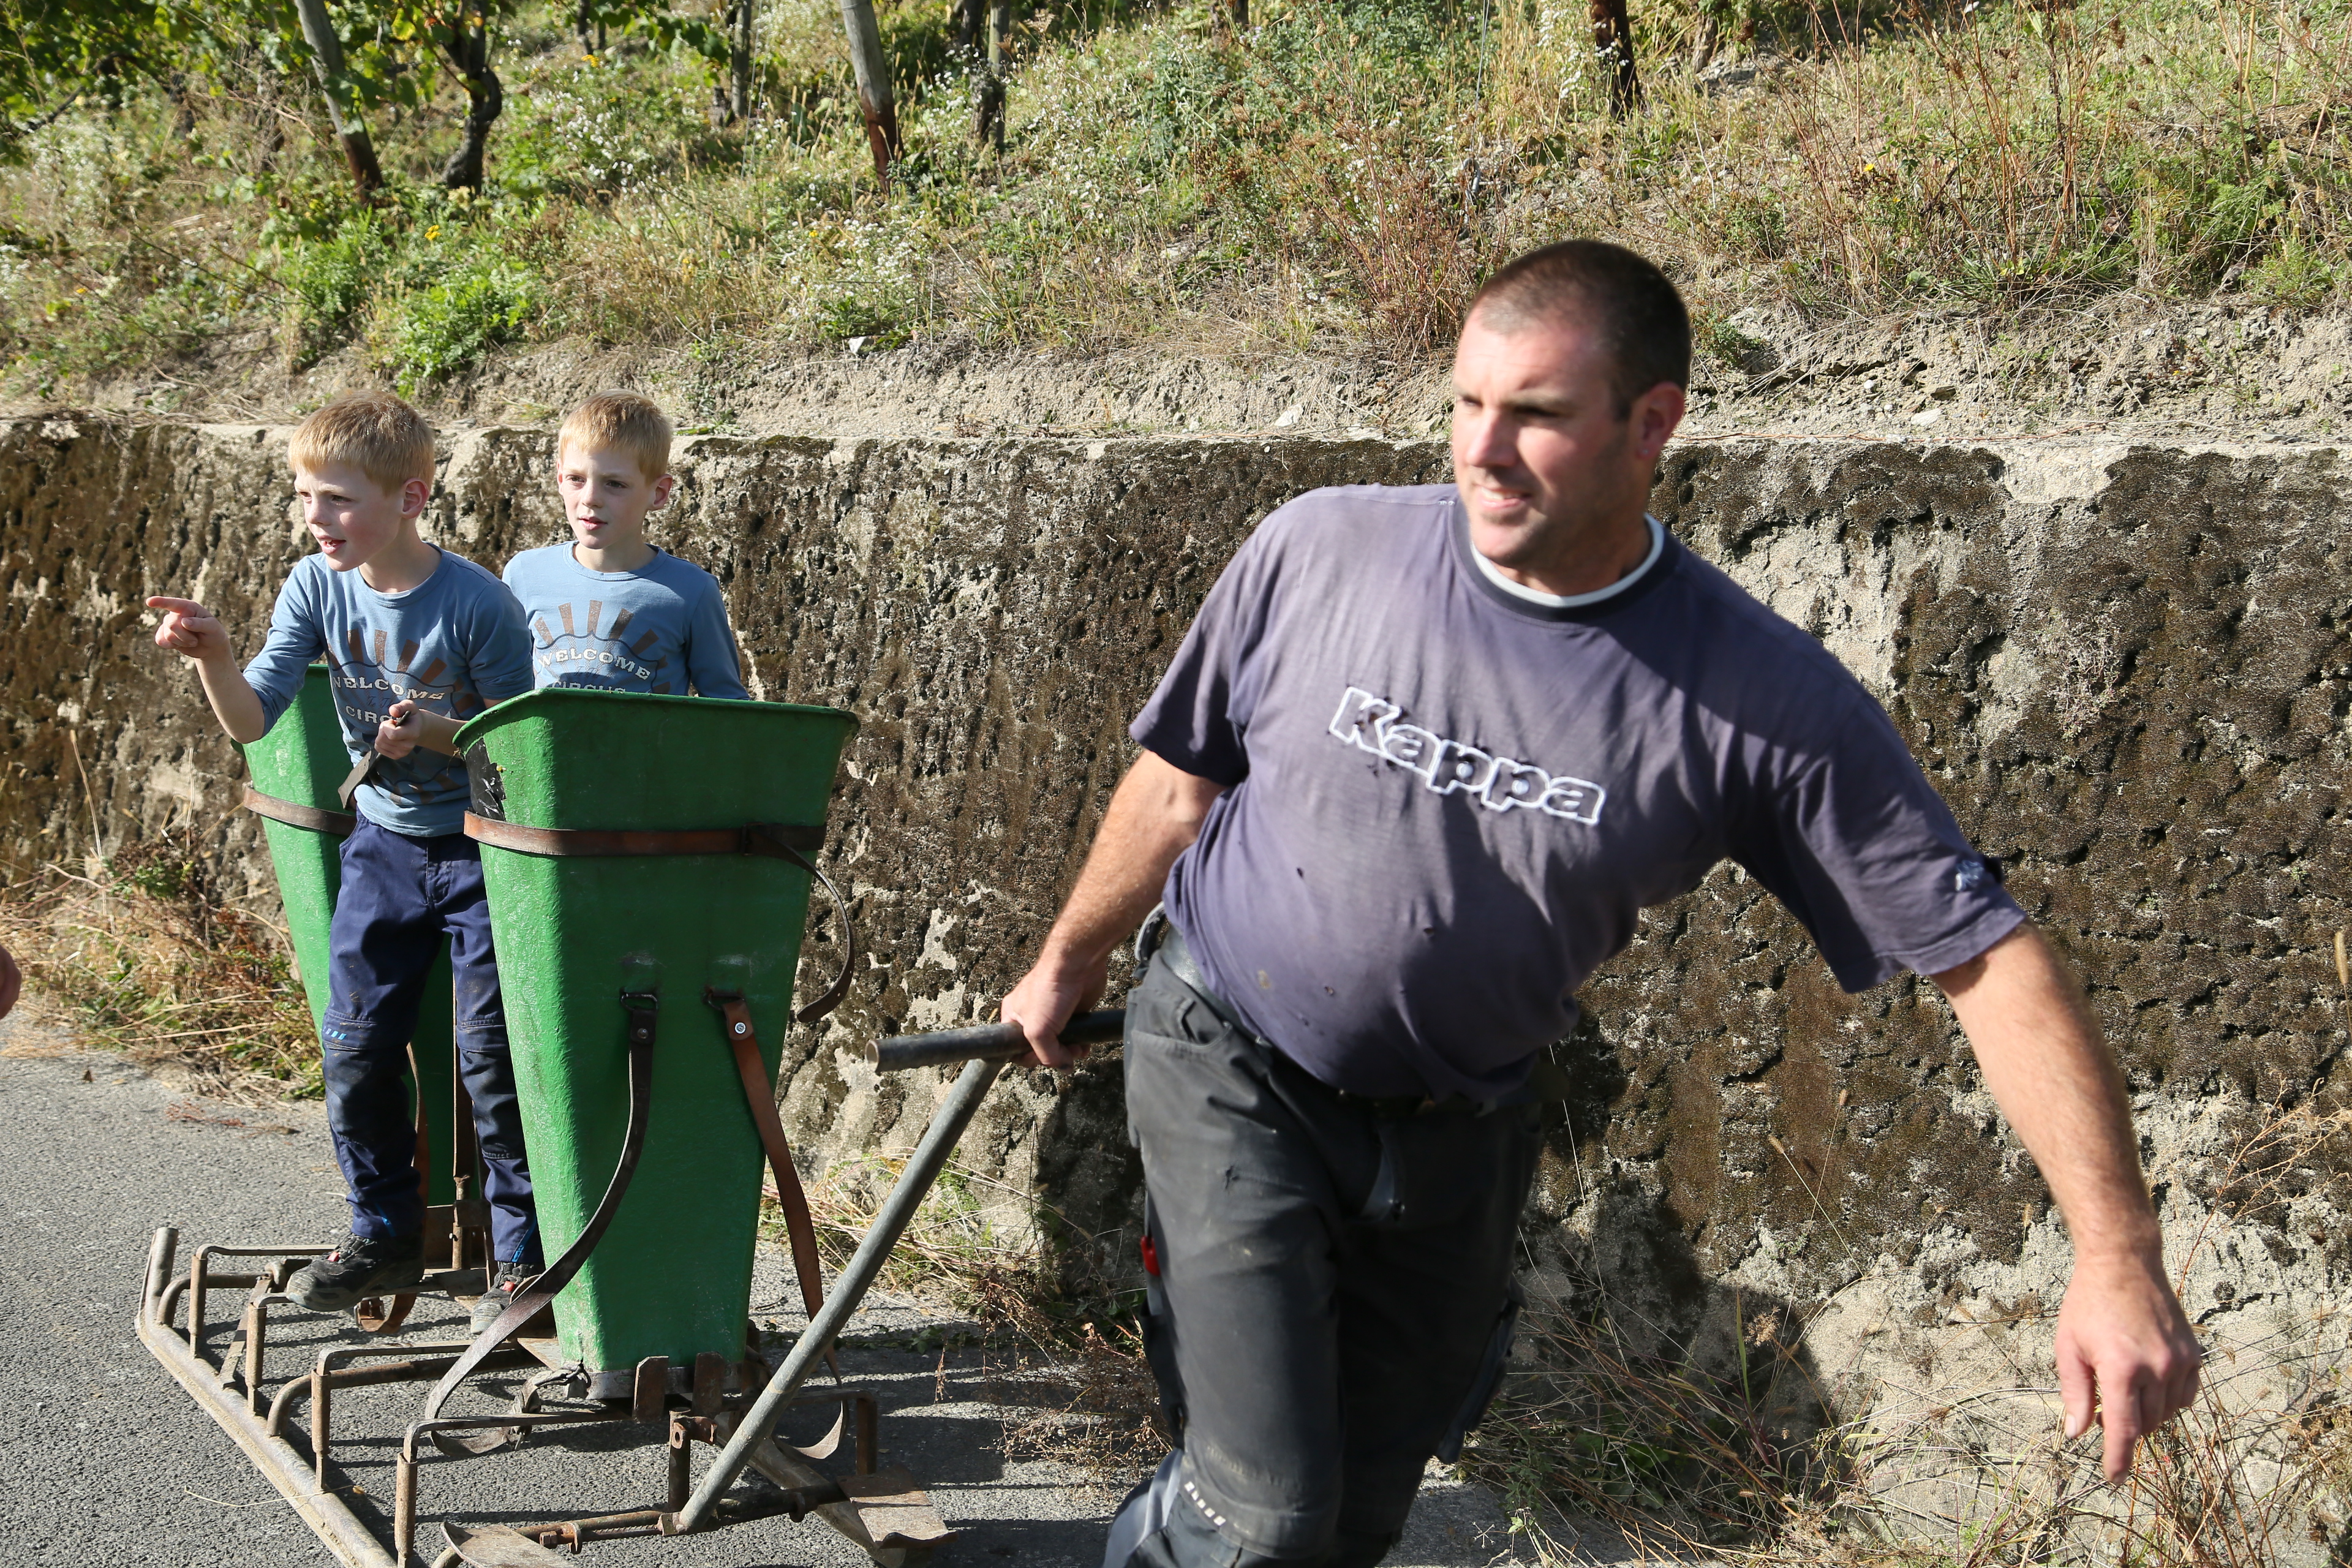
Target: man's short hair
[622,420]
[374,432]
[1620,296]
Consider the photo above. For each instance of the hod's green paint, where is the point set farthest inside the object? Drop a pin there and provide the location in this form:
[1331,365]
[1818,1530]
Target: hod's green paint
[673,1277]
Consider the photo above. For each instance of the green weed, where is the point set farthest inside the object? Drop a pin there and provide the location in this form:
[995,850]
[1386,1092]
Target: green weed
[331,277]
[443,328]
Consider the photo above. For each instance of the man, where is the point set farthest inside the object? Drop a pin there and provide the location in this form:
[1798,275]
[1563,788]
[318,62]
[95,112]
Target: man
[1420,761]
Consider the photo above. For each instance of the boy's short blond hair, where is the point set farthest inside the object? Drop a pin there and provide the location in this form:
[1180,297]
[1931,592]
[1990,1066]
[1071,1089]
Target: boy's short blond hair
[622,421]
[374,432]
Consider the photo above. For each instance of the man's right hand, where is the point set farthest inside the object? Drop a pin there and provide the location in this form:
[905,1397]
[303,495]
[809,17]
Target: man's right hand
[1047,997]
[189,629]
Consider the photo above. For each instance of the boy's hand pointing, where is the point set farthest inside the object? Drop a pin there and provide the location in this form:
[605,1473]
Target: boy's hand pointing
[190,629]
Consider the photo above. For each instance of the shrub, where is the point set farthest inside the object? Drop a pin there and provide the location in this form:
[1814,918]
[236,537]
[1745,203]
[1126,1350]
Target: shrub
[440,329]
[1336,179]
[329,279]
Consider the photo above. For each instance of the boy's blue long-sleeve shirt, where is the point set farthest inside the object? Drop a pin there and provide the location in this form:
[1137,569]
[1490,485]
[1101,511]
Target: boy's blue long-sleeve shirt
[453,644]
[658,629]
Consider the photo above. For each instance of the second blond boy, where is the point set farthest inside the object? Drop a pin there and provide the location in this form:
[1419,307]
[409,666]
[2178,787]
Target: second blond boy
[607,609]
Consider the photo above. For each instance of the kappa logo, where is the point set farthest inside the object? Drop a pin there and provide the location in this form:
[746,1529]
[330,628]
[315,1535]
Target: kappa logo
[1369,723]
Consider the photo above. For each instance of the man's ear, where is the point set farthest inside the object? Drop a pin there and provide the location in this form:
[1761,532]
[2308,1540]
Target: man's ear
[1655,416]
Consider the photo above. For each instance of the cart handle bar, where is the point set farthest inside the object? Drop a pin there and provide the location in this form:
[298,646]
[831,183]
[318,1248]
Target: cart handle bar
[988,1042]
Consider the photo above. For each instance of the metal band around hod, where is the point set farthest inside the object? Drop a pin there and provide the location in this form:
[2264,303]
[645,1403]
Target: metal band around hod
[338,823]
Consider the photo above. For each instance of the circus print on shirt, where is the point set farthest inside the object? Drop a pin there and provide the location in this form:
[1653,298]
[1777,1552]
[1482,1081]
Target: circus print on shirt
[582,649]
[367,682]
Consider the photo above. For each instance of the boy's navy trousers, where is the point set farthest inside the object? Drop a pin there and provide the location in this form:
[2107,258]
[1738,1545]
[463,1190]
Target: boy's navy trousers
[400,896]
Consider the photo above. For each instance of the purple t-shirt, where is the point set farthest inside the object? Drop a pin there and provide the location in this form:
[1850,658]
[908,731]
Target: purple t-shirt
[1447,803]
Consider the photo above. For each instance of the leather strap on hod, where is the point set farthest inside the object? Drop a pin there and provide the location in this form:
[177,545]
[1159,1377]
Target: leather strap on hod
[338,823]
[361,770]
[780,841]
[761,1095]
[783,841]
[642,1006]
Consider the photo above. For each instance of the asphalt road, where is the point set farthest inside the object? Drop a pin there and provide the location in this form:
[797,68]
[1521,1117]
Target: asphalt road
[104,1460]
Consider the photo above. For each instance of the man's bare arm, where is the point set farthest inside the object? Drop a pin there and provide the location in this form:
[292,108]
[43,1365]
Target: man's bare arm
[1154,816]
[2126,1356]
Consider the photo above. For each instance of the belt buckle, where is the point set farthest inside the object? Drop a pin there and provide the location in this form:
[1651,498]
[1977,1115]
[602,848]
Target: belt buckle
[1151,935]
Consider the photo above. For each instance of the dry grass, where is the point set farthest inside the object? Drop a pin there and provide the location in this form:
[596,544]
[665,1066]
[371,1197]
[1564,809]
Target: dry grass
[1976,1475]
[1676,1459]
[1680,1470]
[1333,182]
[1742,1464]
[1059,1347]
[140,953]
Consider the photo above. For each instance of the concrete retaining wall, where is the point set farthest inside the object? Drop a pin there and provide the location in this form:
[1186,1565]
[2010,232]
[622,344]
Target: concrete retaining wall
[2126,667]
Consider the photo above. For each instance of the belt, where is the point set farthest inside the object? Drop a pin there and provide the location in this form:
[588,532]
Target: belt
[1167,946]
[1160,943]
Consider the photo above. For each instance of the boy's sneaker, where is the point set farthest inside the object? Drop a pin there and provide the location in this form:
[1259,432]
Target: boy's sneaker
[510,1279]
[364,1265]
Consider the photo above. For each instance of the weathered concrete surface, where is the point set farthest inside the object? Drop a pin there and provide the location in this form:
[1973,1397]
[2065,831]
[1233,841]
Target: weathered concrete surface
[2126,666]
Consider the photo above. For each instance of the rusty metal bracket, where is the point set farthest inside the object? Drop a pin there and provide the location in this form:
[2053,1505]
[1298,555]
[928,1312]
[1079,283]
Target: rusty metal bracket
[882,1513]
[327,1515]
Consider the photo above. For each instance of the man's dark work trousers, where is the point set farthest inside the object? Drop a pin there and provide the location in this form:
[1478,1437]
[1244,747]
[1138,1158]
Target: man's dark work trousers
[400,896]
[1332,1325]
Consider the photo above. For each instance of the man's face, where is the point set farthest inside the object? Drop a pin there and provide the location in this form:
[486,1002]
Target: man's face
[352,519]
[607,495]
[1540,455]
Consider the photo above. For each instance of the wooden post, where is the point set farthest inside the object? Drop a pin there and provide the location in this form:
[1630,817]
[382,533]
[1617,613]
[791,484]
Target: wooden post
[873,98]
[988,103]
[1612,34]
[1705,38]
[327,64]
[740,62]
